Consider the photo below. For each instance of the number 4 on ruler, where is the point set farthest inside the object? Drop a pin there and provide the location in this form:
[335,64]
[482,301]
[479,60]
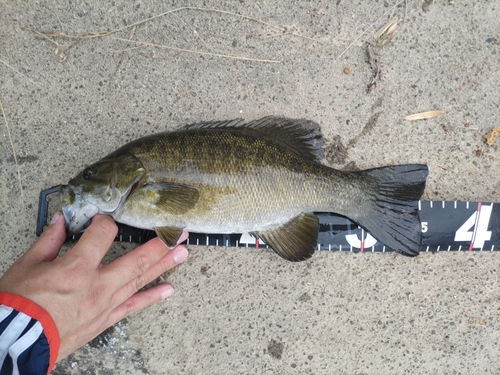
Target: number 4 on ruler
[479,220]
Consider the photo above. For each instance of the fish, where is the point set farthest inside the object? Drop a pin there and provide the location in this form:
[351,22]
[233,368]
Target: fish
[262,177]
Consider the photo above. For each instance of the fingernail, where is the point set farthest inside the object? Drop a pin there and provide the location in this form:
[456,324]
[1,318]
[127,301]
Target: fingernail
[180,254]
[167,292]
[56,217]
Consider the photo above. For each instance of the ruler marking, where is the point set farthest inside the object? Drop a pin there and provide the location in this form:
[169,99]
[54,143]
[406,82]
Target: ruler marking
[331,224]
[362,249]
[475,226]
[472,234]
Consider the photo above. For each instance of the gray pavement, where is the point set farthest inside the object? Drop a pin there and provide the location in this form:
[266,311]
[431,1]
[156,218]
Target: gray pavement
[238,311]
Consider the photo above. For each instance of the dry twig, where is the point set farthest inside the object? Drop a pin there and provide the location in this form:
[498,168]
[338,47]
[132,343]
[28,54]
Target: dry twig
[117,63]
[100,34]
[18,72]
[386,32]
[365,31]
[423,115]
[198,52]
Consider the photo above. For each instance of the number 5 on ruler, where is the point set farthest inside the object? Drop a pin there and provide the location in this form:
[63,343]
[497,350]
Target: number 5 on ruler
[479,220]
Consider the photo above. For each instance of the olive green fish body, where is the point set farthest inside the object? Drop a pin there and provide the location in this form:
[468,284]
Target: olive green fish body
[262,177]
[244,183]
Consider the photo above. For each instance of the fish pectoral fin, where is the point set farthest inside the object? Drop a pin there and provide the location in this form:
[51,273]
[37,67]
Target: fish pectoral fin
[174,197]
[169,235]
[295,240]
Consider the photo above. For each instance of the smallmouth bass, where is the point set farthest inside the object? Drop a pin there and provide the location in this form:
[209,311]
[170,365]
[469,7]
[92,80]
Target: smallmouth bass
[263,177]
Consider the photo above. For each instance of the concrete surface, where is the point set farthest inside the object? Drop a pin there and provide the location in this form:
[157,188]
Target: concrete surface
[237,311]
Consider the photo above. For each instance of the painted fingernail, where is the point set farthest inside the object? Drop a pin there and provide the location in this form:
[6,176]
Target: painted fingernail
[56,217]
[167,292]
[180,254]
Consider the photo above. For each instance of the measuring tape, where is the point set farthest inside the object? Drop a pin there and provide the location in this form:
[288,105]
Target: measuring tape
[446,226]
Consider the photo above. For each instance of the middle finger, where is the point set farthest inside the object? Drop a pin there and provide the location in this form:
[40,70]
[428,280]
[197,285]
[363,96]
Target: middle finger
[173,257]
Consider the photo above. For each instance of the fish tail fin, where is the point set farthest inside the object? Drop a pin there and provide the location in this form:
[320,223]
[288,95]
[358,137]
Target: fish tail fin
[392,217]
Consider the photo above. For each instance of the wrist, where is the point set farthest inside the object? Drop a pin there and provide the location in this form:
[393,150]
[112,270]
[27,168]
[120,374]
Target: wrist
[36,312]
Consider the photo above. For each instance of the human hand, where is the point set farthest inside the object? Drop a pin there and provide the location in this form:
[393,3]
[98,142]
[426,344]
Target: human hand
[82,295]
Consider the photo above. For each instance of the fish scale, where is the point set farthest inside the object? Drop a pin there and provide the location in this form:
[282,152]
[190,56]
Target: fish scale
[266,182]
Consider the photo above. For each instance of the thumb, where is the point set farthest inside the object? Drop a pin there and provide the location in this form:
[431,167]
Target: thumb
[46,248]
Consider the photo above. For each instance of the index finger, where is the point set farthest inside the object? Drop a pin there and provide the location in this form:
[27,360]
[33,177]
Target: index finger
[96,240]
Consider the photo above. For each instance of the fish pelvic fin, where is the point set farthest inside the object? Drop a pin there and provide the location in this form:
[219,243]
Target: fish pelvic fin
[300,136]
[393,217]
[169,235]
[295,240]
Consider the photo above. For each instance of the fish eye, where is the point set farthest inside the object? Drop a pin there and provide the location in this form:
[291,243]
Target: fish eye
[87,174]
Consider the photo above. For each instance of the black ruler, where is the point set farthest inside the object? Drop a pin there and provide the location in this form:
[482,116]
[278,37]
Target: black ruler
[446,226]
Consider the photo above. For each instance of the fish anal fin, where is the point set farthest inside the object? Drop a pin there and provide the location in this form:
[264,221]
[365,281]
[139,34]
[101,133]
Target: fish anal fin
[295,240]
[169,235]
[172,197]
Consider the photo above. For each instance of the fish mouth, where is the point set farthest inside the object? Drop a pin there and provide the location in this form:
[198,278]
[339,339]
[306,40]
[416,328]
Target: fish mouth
[77,213]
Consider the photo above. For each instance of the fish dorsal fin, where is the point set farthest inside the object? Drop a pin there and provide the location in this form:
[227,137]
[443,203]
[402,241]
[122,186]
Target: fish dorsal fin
[171,197]
[169,235]
[303,137]
[295,240]
[237,122]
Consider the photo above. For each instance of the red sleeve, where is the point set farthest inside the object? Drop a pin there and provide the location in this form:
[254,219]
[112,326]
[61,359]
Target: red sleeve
[34,311]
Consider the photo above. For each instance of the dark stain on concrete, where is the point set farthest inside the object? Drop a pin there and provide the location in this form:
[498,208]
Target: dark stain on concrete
[23,159]
[337,153]
[304,297]
[275,349]
[370,124]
